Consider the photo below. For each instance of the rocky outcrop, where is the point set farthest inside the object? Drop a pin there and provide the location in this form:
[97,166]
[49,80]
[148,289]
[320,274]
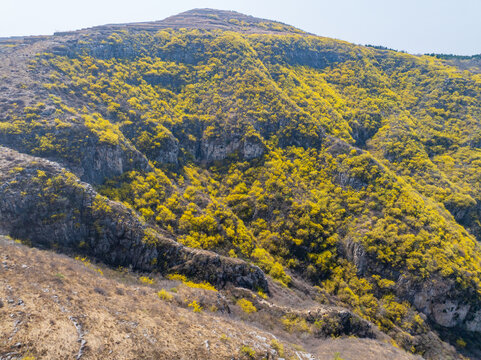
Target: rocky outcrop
[329,320]
[167,152]
[99,162]
[466,211]
[354,252]
[220,147]
[79,150]
[42,203]
[305,51]
[442,302]
[340,323]
[438,298]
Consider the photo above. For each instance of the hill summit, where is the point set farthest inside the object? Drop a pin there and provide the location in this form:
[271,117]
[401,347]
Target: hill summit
[209,19]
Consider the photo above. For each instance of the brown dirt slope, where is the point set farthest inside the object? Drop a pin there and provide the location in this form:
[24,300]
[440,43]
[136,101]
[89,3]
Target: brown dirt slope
[55,307]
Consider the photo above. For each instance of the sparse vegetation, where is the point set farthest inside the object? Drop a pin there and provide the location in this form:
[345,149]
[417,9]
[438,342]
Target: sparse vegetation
[293,323]
[164,295]
[127,311]
[278,347]
[195,306]
[337,356]
[146,280]
[461,343]
[248,352]
[202,285]
[246,306]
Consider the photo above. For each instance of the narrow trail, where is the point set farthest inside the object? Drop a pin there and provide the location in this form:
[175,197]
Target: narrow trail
[80,334]
[78,326]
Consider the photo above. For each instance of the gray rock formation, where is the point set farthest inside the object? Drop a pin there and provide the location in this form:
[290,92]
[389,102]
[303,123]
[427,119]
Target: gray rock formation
[80,151]
[99,162]
[354,252]
[42,203]
[438,298]
[219,148]
[442,302]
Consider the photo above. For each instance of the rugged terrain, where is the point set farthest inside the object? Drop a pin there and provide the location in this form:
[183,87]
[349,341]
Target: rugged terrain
[53,306]
[262,160]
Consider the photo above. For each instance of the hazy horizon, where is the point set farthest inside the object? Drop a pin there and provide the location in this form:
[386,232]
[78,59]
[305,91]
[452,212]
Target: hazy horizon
[427,26]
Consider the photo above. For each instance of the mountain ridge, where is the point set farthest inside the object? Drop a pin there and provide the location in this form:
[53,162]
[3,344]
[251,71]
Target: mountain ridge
[203,19]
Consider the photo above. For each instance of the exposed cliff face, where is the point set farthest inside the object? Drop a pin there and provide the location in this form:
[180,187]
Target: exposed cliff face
[466,214]
[355,252]
[91,161]
[42,203]
[215,149]
[70,142]
[439,299]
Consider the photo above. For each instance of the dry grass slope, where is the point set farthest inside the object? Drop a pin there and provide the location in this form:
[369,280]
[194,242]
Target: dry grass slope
[55,307]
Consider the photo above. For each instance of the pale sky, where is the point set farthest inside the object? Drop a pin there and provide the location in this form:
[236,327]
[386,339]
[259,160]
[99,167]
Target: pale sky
[416,26]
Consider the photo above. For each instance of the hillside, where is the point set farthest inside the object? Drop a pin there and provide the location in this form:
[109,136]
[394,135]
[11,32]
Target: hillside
[252,155]
[59,307]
